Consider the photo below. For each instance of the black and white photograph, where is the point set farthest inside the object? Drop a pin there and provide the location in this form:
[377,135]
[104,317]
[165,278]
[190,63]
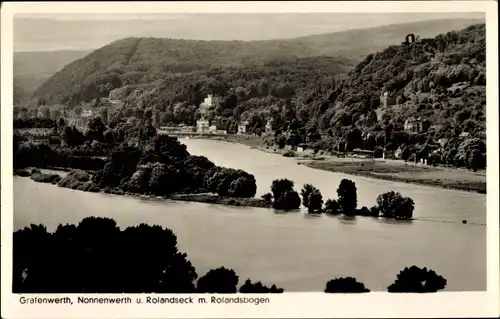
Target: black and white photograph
[247,153]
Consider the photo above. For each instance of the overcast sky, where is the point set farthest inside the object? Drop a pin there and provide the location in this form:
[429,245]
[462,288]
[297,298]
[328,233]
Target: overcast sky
[83,32]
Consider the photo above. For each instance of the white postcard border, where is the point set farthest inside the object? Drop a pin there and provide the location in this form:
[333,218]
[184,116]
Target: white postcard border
[291,305]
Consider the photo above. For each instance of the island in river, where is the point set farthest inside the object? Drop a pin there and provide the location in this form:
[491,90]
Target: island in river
[55,177]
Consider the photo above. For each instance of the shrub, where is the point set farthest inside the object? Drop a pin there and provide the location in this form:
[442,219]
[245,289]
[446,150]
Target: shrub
[257,288]
[267,197]
[45,178]
[364,211]
[374,211]
[331,207]
[345,285]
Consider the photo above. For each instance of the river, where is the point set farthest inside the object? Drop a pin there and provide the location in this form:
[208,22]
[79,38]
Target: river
[294,251]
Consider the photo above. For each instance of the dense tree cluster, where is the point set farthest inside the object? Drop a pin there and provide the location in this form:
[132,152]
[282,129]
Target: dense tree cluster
[131,157]
[394,205]
[79,180]
[417,280]
[284,196]
[389,205]
[96,256]
[27,154]
[37,122]
[469,153]
[164,166]
[93,257]
[230,182]
[66,146]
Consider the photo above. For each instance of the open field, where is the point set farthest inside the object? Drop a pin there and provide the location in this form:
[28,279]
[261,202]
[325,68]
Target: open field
[399,171]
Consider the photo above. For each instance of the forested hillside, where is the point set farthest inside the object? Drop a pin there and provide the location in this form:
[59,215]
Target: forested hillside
[442,79]
[147,60]
[440,82]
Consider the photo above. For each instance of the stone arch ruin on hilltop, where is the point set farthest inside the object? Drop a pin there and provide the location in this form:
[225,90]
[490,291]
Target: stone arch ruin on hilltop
[410,38]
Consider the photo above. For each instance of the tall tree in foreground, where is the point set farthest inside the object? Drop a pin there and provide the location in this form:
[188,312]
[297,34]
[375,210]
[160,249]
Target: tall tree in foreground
[95,256]
[220,280]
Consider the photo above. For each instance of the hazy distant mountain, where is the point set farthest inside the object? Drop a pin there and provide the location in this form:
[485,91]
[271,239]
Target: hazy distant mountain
[358,43]
[31,69]
[84,32]
[154,57]
[44,62]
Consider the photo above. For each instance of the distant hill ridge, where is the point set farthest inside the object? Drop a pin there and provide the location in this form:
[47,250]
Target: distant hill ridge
[45,62]
[146,60]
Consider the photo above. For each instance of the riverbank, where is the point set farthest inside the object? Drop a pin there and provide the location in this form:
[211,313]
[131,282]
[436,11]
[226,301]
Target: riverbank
[206,198]
[221,200]
[83,185]
[390,170]
[403,173]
